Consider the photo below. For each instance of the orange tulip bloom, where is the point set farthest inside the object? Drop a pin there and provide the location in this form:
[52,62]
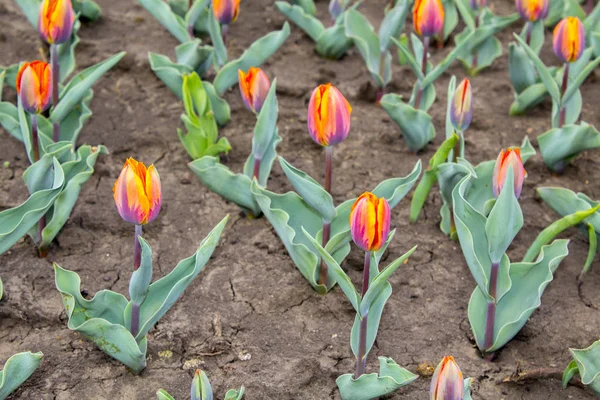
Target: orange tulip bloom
[254,87]
[370,222]
[56,19]
[137,193]
[447,381]
[510,157]
[226,11]
[34,86]
[569,39]
[428,17]
[328,115]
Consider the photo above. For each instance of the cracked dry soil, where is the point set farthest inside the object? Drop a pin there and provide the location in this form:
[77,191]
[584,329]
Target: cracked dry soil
[250,318]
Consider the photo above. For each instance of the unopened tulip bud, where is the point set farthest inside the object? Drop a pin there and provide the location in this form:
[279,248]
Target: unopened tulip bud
[447,381]
[569,39]
[461,108]
[532,10]
[34,86]
[428,17]
[370,222]
[510,157]
[55,22]
[335,8]
[328,115]
[137,193]
[254,87]
[226,11]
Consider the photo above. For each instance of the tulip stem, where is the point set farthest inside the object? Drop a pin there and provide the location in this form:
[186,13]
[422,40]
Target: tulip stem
[135,319]
[224,31]
[35,143]
[55,79]
[137,248]
[491,309]
[326,225]
[424,69]
[475,60]
[529,28]
[563,110]
[361,357]
[256,173]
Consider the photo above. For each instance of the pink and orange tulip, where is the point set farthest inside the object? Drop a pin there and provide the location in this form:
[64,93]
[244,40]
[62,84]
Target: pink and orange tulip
[510,157]
[532,10]
[328,115]
[461,108]
[569,39]
[370,222]
[56,19]
[137,193]
[34,86]
[447,381]
[428,17]
[226,11]
[254,87]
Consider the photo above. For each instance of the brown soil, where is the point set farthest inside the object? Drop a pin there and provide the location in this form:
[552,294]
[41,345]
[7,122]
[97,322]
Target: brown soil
[279,338]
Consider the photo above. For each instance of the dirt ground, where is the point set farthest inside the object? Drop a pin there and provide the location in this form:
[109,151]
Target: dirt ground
[250,318]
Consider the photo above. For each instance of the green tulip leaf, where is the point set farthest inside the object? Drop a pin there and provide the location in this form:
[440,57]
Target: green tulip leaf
[333,43]
[569,373]
[18,369]
[141,277]
[528,98]
[514,309]
[266,124]
[169,72]
[561,145]
[588,365]
[77,88]
[233,394]
[362,33]
[370,386]
[392,24]
[167,18]
[310,190]
[415,125]
[254,56]
[163,293]
[163,395]
[405,52]
[304,20]
[66,53]
[101,320]
[439,69]
[450,19]
[1,289]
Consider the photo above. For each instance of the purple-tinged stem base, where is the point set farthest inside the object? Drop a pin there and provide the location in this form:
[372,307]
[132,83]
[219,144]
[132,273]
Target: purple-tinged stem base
[424,69]
[135,319]
[490,318]
[361,359]
[563,110]
[224,32]
[137,248]
[326,225]
[256,172]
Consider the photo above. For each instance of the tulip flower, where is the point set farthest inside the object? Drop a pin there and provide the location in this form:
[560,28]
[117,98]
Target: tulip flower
[34,86]
[55,25]
[328,124]
[254,87]
[532,10]
[568,44]
[447,381]
[226,12]
[428,17]
[370,222]
[336,7]
[138,197]
[461,109]
[506,159]
[56,19]
[370,228]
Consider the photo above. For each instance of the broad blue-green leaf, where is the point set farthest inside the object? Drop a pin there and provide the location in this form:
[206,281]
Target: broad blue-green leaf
[100,320]
[9,119]
[337,273]
[428,96]
[439,69]
[333,43]
[167,18]
[310,190]
[415,125]
[410,59]
[392,24]
[560,145]
[450,19]
[370,386]
[233,394]
[163,395]
[201,388]
[588,365]
[512,312]
[16,222]
[254,56]
[305,21]
[66,53]
[77,173]
[542,70]
[216,37]
[219,106]
[141,277]
[366,40]
[169,72]
[504,221]
[466,13]
[578,81]
[487,52]
[18,369]
[522,75]
[194,55]
[77,88]
[1,289]
[566,202]
[163,293]
[266,124]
